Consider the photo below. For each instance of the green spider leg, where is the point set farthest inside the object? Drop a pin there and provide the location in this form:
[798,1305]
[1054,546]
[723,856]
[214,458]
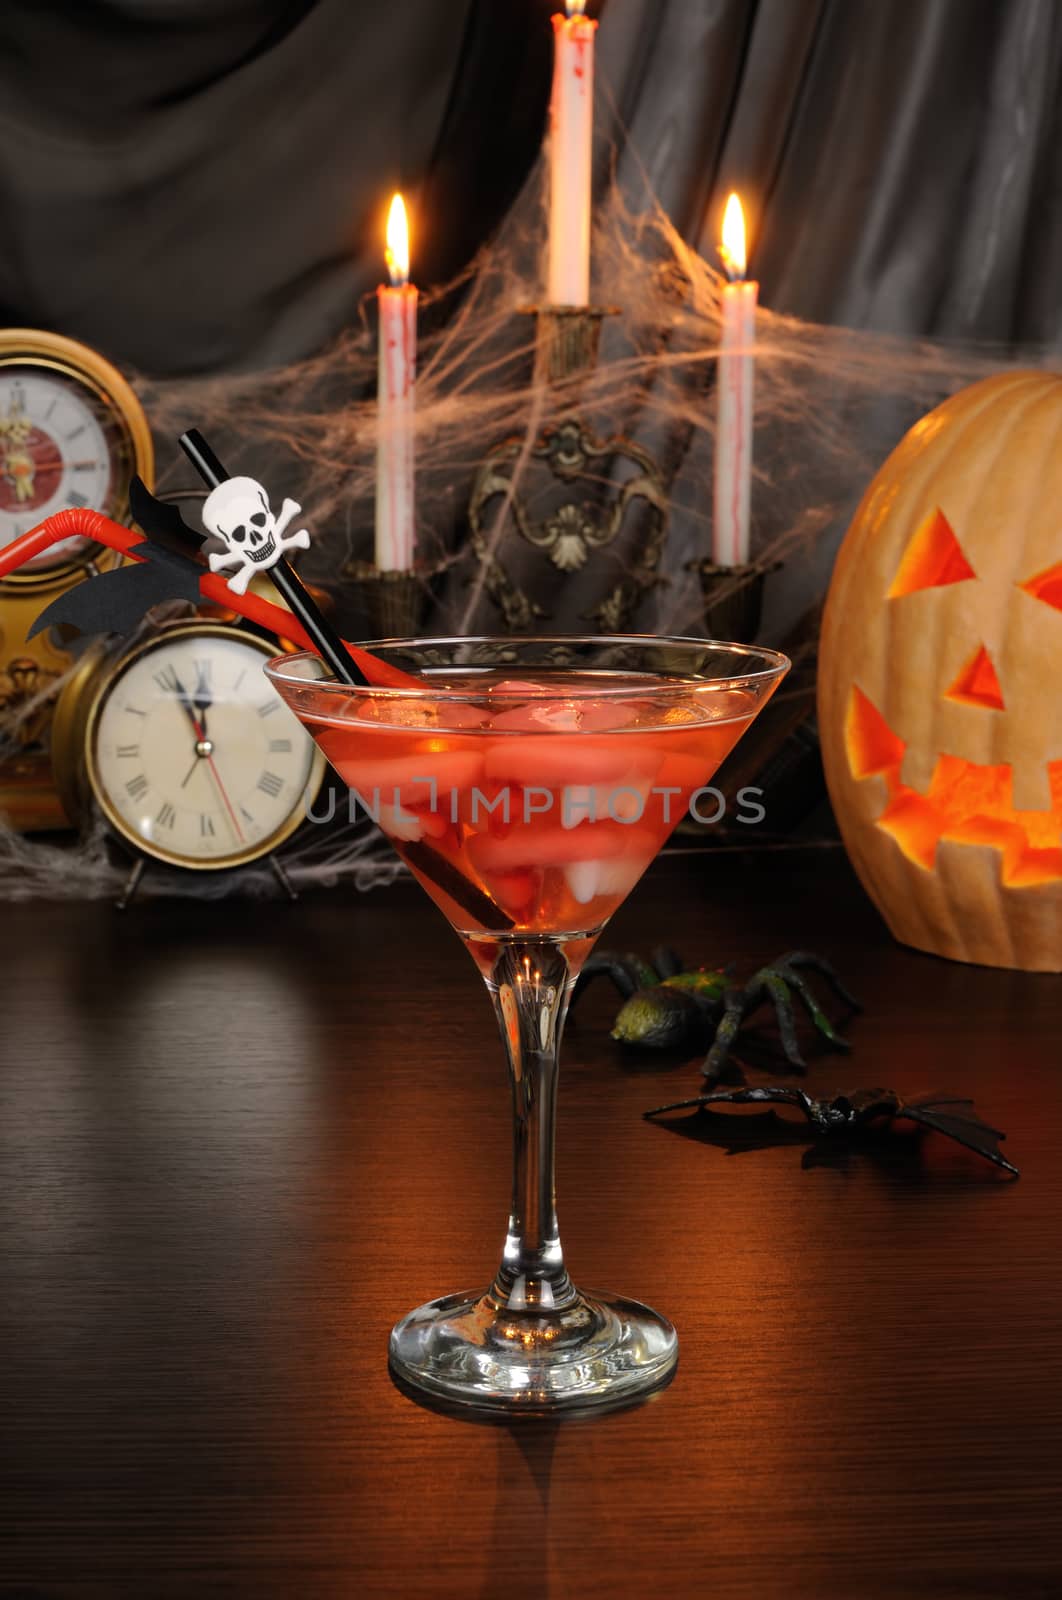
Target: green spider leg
[811,1005]
[808,958]
[777,988]
[741,1003]
[725,1033]
[666,961]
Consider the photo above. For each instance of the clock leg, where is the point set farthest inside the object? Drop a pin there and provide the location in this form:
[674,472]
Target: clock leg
[132,883]
[283,879]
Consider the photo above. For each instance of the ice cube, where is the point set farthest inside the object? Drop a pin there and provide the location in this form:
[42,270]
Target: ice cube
[554,717]
[566,716]
[575,759]
[541,846]
[514,891]
[601,716]
[515,686]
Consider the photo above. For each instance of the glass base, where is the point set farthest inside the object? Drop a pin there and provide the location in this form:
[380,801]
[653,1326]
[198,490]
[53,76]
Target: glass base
[598,1353]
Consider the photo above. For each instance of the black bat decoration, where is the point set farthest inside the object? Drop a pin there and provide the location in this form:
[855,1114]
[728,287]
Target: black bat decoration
[848,1115]
[117,601]
[162,522]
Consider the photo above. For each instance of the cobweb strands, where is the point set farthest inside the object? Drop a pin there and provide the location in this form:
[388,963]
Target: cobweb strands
[830,403]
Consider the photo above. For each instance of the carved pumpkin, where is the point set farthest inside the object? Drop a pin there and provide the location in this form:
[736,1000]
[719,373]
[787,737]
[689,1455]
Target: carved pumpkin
[940,700]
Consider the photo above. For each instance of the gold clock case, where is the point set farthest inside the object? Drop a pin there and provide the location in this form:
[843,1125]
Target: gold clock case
[77,718]
[28,795]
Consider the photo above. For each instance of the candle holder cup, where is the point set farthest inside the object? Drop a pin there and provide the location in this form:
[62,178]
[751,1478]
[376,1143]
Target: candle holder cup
[732,597]
[392,603]
[567,339]
[569,495]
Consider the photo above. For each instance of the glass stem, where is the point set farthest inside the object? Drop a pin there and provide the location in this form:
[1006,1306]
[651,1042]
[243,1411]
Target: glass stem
[531,983]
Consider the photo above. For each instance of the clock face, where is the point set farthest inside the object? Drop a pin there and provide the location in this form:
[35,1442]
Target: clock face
[192,755]
[61,446]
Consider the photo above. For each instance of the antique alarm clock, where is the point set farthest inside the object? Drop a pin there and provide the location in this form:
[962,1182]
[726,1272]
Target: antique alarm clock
[185,750]
[72,434]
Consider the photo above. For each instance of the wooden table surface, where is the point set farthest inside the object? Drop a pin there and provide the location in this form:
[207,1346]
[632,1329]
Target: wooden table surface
[238,1142]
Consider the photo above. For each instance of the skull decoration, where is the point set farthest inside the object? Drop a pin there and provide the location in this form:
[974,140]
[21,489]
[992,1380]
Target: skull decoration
[237,512]
[941,653]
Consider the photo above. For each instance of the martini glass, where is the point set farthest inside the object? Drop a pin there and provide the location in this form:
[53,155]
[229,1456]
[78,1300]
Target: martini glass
[528,783]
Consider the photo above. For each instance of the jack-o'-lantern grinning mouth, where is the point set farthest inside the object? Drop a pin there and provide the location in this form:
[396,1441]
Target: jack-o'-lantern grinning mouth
[966,802]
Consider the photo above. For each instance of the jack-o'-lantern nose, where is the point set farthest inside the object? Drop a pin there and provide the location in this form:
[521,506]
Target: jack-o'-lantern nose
[978,684]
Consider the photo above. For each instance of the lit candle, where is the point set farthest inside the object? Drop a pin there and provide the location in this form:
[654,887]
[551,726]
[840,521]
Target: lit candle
[570,156]
[395,401]
[733,439]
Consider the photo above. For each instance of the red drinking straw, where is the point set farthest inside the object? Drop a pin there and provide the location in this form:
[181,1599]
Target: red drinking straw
[84,523]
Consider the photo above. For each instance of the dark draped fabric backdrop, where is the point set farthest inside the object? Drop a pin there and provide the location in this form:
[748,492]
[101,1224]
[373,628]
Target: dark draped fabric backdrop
[195,185]
[908,152]
[201,185]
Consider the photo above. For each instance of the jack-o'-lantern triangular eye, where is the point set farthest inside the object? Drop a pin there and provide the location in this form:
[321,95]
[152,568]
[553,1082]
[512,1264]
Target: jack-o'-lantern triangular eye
[933,558]
[1046,586]
[978,684]
[871,744]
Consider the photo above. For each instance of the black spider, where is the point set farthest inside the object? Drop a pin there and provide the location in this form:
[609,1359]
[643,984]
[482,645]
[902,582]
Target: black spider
[668,1007]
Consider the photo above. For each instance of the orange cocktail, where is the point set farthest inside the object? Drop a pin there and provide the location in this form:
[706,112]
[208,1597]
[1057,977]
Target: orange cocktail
[545,801]
[528,783]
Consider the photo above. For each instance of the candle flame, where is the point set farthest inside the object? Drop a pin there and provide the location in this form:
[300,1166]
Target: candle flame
[732,249]
[397,252]
[576,8]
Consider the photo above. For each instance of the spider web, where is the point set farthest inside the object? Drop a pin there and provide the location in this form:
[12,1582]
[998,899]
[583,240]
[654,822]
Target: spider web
[830,403]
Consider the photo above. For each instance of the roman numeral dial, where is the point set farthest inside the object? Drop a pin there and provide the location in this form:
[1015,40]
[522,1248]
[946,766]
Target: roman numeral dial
[193,758]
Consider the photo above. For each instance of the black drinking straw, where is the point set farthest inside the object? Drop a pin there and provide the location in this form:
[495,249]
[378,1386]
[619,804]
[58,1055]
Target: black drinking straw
[335,655]
[325,641]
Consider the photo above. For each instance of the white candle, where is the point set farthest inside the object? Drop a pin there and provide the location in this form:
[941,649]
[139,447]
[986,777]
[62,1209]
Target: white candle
[395,397]
[733,439]
[571,157]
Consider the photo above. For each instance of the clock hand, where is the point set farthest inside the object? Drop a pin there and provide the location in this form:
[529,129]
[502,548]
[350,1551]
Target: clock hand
[199,757]
[21,468]
[15,426]
[203,697]
[237,830]
[189,710]
[186,705]
[46,463]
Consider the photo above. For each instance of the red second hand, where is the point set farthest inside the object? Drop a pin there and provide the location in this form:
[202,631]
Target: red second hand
[228,802]
[201,736]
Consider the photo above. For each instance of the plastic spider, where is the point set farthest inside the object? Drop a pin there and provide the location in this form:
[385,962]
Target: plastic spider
[668,1006]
